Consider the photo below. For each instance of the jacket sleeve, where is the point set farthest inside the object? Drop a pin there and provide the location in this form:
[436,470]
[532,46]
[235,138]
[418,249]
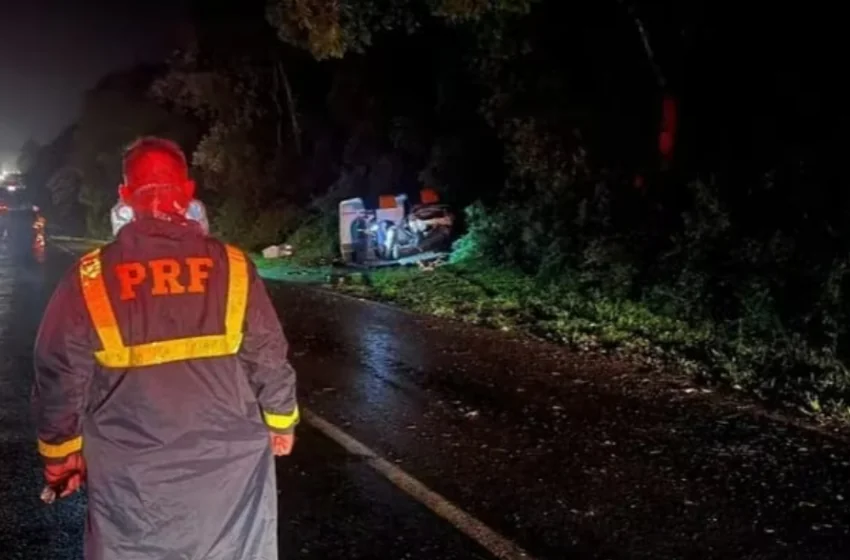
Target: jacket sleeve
[64,366]
[264,356]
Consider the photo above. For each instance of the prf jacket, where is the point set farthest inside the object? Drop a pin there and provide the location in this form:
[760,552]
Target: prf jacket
[161,358]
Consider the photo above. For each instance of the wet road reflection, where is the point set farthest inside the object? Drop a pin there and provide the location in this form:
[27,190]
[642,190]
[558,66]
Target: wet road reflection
[569,455]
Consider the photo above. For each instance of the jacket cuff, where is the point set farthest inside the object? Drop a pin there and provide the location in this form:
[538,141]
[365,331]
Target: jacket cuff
[282,423]
[54,451]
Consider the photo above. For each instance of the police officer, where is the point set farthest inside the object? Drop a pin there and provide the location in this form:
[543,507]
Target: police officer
[162,381]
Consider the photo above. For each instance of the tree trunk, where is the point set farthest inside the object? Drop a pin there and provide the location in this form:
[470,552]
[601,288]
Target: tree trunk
[669,105]
[659,76]
[276,99]
[293,114]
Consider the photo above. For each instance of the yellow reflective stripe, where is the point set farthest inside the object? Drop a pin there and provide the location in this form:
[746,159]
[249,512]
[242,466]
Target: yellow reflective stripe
[237,290]
[116,355]
[281,421]
[163,352]
[97,301]
[62,450]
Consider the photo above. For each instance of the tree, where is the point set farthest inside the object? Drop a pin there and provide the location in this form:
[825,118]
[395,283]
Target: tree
[28,155]
[248,156]
[64,186]
[227,99]
[333,28]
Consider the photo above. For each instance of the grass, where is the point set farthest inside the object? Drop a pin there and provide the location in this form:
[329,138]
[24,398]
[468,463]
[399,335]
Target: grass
[78,244]
[507,300]
[287,271]
[502,299]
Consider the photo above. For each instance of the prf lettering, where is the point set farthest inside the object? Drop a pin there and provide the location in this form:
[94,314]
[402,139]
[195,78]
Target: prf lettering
[165,276]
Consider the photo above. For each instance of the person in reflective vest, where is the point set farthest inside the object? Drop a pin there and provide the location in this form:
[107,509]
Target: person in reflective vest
[162,382]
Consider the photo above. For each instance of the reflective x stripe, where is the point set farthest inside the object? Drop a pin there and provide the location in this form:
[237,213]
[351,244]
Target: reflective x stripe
[281,421]
[62,450]
[116,355]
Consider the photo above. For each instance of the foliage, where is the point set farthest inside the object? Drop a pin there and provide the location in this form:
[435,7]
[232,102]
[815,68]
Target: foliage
[539,117]
[585,214]
[768,321]
[316,242]
[226,160]
[333,28]
[28,155]
[235,221]
[64,186]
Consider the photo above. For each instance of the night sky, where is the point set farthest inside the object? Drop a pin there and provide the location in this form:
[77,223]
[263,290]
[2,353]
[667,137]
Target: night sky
[54,50]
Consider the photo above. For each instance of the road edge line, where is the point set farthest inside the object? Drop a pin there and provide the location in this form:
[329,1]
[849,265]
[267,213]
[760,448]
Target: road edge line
[65,249]
[493,542]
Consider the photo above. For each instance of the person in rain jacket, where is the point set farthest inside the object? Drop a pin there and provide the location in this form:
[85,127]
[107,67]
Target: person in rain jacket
[162,382]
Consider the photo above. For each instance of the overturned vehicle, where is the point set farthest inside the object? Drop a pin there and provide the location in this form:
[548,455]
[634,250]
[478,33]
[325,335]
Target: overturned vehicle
[396,232]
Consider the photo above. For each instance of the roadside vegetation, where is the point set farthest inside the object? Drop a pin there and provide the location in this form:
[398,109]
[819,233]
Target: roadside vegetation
[717,244]
[748,345]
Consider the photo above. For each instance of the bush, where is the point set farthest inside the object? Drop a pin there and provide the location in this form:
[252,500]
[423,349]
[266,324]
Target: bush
[754,308]
[251,228]
[316,241]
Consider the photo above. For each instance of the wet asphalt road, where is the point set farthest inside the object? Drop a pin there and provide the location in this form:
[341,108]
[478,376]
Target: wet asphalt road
[572,456]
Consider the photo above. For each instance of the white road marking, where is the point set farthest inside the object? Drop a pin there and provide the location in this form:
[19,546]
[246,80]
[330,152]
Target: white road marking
[496,544]
[66,250]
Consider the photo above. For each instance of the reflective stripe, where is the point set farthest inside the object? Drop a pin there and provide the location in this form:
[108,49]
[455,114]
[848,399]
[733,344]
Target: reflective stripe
[115,355]
[237,291]
[281,421]
[97,301]
[62,450]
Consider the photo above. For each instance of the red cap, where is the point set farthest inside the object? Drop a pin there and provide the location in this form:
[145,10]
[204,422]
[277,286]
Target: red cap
[156,176]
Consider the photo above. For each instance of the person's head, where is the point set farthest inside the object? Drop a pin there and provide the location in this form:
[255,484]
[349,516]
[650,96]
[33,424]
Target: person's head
[156,178]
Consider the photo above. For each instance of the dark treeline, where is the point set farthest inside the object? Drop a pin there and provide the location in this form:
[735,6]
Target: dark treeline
[539,121]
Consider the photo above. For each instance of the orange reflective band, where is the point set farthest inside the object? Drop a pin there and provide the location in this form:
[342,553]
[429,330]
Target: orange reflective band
[116,355]
[281,421]
[97,301]
[62,450]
